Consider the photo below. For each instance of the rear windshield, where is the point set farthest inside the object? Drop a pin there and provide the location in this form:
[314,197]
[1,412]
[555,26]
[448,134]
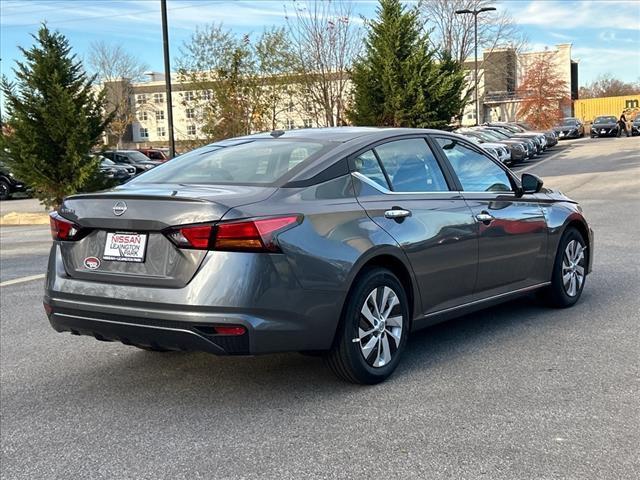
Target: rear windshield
[261,162]
[605,120]
[569,121]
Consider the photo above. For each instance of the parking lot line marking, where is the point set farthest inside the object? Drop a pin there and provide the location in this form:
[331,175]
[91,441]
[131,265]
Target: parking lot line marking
[21,280]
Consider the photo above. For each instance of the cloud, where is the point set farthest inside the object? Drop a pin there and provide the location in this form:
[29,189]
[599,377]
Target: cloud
[563,15]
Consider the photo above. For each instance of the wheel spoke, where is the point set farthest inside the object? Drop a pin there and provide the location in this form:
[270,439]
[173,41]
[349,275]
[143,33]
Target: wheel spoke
[367,313]
[391,300]
[580,270]
[566,278]
[368,348]
[362,333]
[395,321]
[572,286]
[395,334]
[384,352]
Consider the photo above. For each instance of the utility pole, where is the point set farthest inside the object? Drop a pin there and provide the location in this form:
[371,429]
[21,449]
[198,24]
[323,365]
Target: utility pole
[475,36]
[167,76]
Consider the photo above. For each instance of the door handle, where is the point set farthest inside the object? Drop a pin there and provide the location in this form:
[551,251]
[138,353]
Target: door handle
[397,213]
[484,217]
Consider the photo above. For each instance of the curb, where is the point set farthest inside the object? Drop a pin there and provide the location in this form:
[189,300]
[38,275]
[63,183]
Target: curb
[22,218]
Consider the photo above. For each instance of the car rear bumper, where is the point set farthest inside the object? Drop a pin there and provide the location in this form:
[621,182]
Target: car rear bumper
[260,294]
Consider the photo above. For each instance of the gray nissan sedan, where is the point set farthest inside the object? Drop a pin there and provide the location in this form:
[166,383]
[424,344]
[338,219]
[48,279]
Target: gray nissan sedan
[337,241]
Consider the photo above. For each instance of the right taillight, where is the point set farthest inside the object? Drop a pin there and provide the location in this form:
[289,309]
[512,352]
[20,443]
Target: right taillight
[63,229]
[255,235]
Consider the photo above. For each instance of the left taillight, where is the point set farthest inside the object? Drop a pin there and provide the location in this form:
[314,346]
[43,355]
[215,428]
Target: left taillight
[63,229]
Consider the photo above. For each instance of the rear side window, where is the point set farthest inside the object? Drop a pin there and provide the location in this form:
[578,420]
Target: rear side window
[367,165]
[262,162]
[411,166]
[476,172]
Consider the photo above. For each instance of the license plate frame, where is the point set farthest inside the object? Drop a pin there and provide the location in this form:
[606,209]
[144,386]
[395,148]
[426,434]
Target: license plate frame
[121,247]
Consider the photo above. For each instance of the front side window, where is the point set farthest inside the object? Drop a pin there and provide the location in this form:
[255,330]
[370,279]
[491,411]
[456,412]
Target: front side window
[476,172]
[259,161]
[411,166]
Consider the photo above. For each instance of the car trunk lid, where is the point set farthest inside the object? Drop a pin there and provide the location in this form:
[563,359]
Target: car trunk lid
[110,220]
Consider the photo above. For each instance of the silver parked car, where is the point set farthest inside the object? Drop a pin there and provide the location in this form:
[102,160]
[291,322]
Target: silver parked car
[337,241]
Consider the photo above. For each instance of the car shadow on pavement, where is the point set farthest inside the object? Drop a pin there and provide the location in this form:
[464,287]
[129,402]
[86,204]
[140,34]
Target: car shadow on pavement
[231,383]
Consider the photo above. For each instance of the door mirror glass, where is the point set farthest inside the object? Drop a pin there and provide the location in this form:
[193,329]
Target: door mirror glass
[531,183]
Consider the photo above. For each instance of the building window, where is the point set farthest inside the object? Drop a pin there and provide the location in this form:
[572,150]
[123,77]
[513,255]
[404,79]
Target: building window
[158,98]
[161,131]
[290,107]
[189,96]
[159,114]
[191,129]
[308,123]
[144,132]
[308,108]
[141,99]
[143,116]
[190,113]
[290,124]
[206,95]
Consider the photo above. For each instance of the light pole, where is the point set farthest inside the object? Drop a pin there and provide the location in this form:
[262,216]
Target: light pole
[167,75]
[475,36]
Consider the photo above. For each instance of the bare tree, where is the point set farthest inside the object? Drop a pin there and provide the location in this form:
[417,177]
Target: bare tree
[454,33]
[117,69]
[327,38]
[608,86]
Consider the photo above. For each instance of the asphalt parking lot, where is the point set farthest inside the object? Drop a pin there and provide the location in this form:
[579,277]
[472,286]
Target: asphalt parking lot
[516,392]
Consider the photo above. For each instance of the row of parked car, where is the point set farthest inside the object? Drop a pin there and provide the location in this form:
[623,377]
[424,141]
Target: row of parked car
[118,165]
[510,142]
[602,126]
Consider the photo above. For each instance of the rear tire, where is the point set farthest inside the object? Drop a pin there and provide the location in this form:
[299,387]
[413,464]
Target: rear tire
[569,271]
[373,330]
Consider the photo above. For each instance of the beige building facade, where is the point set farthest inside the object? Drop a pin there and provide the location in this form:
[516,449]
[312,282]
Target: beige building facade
[500,73]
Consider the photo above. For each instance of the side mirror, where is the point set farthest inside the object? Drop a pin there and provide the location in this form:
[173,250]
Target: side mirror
[531,183]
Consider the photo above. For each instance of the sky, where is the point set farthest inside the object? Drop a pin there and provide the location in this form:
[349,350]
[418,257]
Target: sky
[605,35]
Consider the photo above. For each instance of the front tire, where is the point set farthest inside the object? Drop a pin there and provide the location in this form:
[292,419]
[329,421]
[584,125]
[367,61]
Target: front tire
[373,331]
[569,271]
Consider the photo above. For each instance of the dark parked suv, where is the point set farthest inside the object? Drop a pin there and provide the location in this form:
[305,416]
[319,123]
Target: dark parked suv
[8,183]
[340,241]
[134,158]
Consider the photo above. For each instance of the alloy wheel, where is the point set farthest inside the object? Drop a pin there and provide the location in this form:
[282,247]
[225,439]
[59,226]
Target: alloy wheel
[380,326]
[573,267]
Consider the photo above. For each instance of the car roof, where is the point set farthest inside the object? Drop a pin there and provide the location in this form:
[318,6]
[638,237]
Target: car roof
[329,134]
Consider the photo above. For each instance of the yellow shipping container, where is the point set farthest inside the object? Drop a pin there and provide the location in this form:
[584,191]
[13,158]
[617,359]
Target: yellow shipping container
[590,108]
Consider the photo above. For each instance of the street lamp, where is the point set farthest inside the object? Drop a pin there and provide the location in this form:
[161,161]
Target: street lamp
[475,36]
[167,76]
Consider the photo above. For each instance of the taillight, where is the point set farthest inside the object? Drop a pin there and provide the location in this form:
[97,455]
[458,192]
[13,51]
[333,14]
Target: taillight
[61,228]
[196,236]
[257,235]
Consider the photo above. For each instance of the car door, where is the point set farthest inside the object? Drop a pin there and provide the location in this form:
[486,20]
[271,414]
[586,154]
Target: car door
[403,188]
[512,230]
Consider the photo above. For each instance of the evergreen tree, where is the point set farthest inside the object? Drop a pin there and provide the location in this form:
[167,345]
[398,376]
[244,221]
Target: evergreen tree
[399,81]
[54,119]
